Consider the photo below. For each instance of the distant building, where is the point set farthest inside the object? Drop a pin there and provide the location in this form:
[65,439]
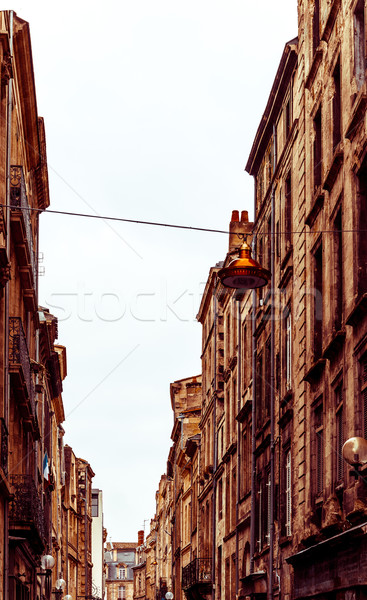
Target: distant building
[98,533]
[120,558]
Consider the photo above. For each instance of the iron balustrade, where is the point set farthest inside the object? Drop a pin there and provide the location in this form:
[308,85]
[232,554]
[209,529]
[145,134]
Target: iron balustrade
[25,508]
[19,356]
[197,571]
[4,447]
[18,199]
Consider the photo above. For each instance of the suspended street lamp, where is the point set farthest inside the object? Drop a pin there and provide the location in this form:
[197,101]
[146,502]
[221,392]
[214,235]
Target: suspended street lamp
[244,272]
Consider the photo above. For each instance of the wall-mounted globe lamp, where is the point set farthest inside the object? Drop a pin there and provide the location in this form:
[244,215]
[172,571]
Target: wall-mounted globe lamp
[244,272]
[355,454]
[67,597]
[60,585]
[169,596]
[47,562]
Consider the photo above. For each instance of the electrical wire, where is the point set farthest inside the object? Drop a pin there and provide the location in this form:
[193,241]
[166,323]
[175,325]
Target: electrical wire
[172,225]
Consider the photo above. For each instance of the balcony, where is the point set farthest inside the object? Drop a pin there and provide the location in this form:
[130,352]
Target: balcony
[4,447]
[197,578]
[20,373]
[22,236]
[26,514]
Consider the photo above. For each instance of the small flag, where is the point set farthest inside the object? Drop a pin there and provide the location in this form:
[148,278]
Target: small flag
[46,471]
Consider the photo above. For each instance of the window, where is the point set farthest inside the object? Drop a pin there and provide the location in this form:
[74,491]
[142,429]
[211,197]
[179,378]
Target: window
[318,308]
[246,456]
[267,378]
[220,499]
[288,212]
[317,150]
[363,379]
[288,349]
[316,26]
[287,116]
[338,271]
[122,573]
[318,422]
[337,113]
[288,493]
[122,592]
[94,505]
[259,389]
[359,43]
[362,225]
[339,434]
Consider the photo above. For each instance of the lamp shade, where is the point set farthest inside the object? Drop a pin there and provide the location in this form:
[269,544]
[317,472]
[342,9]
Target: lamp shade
[169,596]
[67,597]
[47,561]
[60,584]
[244,272]
[355,451]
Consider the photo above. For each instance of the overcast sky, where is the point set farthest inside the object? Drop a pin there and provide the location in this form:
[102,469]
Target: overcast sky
[150,111]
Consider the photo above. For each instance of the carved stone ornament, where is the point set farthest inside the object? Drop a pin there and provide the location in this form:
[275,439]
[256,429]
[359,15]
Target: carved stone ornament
[6,69]
[4,275]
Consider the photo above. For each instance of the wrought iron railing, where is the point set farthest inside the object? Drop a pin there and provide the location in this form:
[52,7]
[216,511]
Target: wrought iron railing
[197,571]
[18,199]
[4,447]
[25,506]
[18,355]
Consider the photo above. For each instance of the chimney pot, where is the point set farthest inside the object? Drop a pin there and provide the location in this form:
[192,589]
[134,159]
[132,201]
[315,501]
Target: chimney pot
[244,216]
[140,537]
[235,216]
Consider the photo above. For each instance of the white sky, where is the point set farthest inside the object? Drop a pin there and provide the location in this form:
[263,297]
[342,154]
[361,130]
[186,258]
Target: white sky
[150,111]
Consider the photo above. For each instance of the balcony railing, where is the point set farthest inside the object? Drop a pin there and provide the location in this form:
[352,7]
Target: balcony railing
[19,201]
[26,514]
[20,366]
[198,571]
[4,447]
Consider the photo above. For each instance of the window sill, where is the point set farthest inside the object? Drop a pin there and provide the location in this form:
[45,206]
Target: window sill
[357,119]
[335,167]
[316,370]
[334,347]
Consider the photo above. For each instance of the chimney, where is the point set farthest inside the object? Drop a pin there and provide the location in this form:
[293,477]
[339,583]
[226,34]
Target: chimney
[239,226]
[140,537]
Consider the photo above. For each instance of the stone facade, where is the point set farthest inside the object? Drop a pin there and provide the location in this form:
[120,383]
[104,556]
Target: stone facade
[278,513]
[36,496]
[120,558]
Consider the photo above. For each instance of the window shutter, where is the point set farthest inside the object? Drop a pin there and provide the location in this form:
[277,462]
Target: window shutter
[288,494]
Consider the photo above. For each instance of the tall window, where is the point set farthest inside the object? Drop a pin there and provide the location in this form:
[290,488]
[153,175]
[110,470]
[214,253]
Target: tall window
[337,113]
[259,389]
[288,212]
[317,150]
[318,479]
[363,379]
[316,26]
[288,493]
[362,225]
[338,271]
[94,505]
[359,43]
[318,308]
[220,499]
[122,592]
[267,382]
[339,433]
[288,349]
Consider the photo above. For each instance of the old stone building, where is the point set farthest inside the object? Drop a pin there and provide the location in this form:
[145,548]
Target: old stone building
[120,558]
[279,512]
[35,546]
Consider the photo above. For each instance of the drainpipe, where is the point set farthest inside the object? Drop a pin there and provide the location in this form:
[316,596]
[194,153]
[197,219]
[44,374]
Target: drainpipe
[253,426]
[215,457]
[239,385]
[7,292]
[272,381]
